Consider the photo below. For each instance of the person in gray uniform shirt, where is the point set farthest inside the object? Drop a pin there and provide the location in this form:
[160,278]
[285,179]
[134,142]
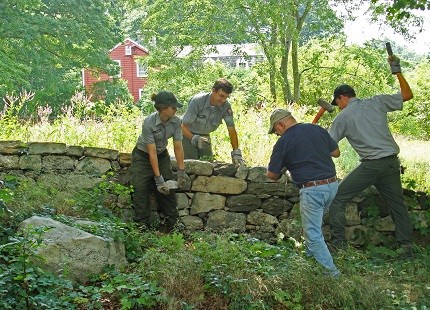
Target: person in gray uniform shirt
[150,161]
[363,122]
[204,114]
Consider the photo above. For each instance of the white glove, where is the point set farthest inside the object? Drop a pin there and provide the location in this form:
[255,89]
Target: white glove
[199,141]
[182,178]
[162,187]
[236,157]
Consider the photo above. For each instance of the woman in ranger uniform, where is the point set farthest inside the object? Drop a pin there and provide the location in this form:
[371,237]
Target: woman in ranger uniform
[150,161]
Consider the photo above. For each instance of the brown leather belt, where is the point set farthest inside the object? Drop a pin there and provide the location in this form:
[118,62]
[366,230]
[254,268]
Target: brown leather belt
[317,182]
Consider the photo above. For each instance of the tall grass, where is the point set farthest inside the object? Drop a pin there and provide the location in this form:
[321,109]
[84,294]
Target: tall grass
[117,126]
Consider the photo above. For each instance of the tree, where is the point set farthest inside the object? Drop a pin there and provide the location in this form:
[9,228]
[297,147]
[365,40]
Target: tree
[44,44]
[276,25]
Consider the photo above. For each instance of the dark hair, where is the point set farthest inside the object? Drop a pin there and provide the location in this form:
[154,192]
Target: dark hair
[224,85]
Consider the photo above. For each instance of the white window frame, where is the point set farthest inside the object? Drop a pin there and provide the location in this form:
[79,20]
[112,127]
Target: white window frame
[141,70]
[128,50]
[140,93]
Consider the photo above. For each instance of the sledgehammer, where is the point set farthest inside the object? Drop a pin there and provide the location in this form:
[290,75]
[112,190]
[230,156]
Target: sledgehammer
[325,106]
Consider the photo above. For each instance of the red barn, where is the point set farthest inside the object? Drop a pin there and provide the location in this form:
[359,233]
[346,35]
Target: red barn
[126,54]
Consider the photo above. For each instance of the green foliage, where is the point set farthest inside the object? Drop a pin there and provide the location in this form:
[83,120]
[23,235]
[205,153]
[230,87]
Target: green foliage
[22,284]
[199,24]
[125,290]
[421,221]
[46,43]
[112,92]
[201,269]
[400,14]
[14,106]
[414,120]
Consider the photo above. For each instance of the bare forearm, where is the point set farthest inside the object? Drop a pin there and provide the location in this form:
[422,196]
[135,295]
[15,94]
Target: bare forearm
[404,87]
[233,138]
[179,154]
[186,131]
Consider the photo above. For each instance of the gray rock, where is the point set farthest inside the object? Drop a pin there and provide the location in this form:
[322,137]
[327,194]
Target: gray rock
[205,202]
[73,250]
[219,184]
[93,166]
[192,222]
[223,221]
[243,203]
[101,153]
[47,148]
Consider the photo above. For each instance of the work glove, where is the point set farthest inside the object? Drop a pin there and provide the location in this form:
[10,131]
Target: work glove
[236,157]
[182,178]
[199,141]
[394,62]
[162,187]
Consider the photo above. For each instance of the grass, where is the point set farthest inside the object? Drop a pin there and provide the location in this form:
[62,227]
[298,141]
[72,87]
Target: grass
[196,270]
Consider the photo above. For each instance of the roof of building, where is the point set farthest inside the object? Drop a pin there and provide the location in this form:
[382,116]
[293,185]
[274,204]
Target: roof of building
[134,43]
[226,50]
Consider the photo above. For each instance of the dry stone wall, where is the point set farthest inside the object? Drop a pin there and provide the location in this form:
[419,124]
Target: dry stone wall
[218,197]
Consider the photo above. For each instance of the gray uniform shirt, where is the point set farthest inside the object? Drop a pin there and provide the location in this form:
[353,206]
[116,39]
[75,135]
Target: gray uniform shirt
[155,131]
[364,124]
[203,118]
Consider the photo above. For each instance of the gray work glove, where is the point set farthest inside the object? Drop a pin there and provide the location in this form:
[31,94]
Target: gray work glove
[199,141]
[236,157]
[394,62]
[182,178]
[162,187]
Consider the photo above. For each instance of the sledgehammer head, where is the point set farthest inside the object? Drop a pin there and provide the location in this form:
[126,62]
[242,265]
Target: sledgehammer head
[325,105]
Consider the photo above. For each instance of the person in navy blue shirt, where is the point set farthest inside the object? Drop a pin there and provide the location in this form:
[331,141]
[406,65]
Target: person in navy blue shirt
[306,151]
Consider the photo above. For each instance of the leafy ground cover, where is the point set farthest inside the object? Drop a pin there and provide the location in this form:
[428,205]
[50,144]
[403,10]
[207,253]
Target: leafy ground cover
[206,271]
[197,270]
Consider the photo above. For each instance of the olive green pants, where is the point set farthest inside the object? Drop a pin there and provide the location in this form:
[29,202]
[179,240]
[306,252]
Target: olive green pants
[193,152]
[384,174]
[142,179]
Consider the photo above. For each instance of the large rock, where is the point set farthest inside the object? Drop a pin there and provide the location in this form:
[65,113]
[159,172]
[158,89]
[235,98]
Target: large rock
[80,254]
[219,184]
[273,189]
[243,203]
[51,148]
[9,161]
[222,221]
[13,147]
[194,166]
[205,202]
[258,174]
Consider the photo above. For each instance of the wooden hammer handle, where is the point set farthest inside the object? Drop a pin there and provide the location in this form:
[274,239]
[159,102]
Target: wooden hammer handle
[318,116]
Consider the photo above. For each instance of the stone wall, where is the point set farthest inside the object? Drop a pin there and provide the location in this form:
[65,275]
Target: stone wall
[218,197]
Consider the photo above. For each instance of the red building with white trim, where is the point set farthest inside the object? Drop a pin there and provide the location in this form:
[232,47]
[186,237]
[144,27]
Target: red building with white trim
[126,54]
